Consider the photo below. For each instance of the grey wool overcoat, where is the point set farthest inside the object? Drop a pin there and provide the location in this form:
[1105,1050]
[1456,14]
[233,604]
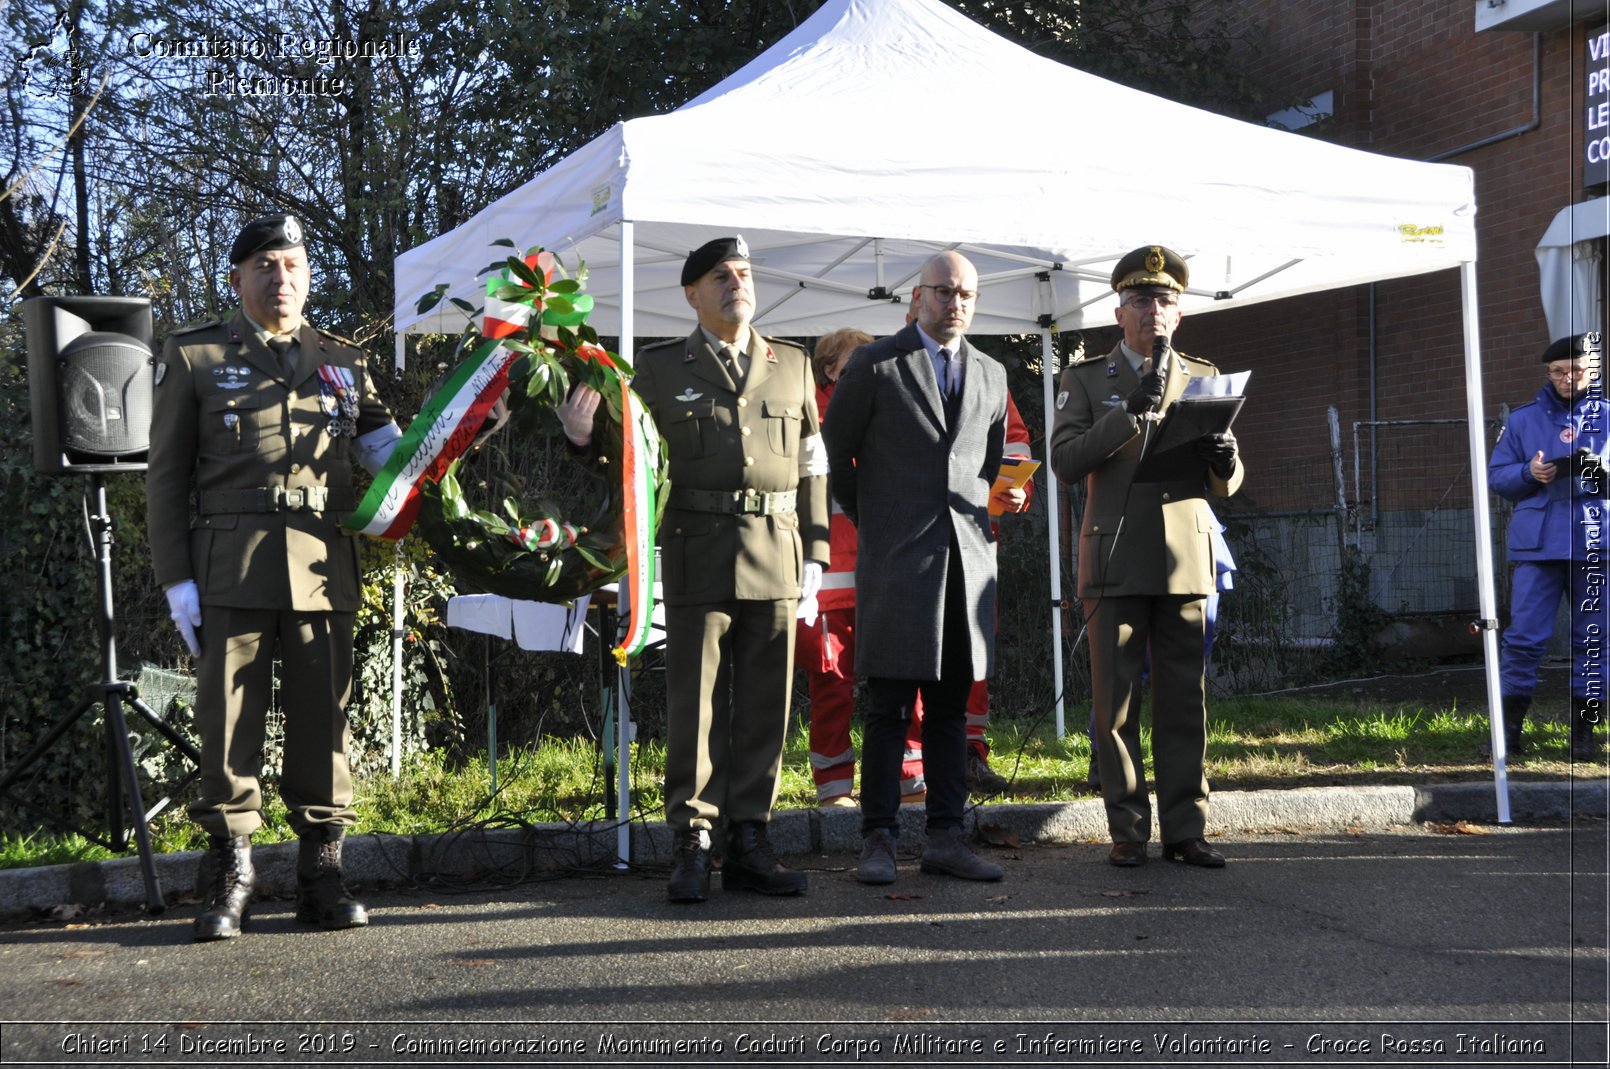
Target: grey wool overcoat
[910,479]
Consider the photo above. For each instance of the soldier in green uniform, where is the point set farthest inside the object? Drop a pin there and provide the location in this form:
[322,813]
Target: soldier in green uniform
[1145,561]
[744,539]
[264,415]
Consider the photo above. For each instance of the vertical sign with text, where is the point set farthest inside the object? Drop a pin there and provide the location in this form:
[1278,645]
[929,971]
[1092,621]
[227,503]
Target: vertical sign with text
[1596,143]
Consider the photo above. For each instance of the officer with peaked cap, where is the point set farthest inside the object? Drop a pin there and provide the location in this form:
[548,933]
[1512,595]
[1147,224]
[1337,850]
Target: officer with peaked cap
[1146,562]
[1550,460]
[743,540]
[265,415]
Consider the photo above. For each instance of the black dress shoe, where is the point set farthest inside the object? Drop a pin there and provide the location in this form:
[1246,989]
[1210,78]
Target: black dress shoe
[1127,855]
[1194,852]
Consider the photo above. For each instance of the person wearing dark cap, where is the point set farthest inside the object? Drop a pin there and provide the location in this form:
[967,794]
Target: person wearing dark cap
[264,415]
[1146,562]
[1550,460]
[744,539]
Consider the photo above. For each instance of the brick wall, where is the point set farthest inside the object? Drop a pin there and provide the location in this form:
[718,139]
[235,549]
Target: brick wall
[1411,79]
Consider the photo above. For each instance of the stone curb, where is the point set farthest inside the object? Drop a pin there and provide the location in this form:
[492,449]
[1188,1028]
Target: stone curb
[505,854]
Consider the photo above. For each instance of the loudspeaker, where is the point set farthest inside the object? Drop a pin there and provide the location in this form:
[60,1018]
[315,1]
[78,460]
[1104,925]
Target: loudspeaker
[90,382]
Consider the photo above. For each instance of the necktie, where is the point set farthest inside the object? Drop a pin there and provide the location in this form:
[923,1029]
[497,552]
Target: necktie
[282,349]
[947,361]
[729,356]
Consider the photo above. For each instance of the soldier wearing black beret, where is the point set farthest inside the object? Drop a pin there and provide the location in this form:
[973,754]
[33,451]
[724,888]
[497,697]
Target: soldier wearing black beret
[265,416]
[744,539]
[1146,561]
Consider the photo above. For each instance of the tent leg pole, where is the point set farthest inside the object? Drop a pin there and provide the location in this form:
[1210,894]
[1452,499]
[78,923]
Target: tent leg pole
[1049,489]
[397,633]
[1488,624]
[623,701]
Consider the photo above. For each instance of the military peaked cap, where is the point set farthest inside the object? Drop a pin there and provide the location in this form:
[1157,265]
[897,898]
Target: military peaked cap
[1151,265]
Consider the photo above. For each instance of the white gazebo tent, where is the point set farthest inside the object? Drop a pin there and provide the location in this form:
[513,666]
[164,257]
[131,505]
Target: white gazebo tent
[881,131]
[1571,276]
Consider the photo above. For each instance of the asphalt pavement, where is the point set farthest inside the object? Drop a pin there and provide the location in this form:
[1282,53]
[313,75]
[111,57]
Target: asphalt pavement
[1351,926]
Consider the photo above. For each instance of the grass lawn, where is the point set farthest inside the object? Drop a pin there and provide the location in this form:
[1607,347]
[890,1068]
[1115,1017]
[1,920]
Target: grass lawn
[1252,743]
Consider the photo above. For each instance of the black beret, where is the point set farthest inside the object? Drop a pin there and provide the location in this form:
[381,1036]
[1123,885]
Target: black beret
[261,235]
[1151,265]
[1571,348]
[709,254]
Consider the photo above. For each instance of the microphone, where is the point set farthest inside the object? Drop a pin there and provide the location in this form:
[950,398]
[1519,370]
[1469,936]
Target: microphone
[1160,363]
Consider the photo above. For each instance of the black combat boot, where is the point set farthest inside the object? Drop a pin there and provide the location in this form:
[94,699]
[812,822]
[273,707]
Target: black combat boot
[750,864]
[321,897]
[227,879]
[690,866]
[1586,714]
[1515,708]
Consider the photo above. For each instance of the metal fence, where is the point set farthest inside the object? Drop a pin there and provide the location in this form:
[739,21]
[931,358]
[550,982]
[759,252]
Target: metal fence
[1357,550]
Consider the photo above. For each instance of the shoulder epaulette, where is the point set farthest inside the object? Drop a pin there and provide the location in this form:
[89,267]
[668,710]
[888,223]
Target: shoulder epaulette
[1198,360]
[338,339]
[193,327]
[660,344]
[1088,358]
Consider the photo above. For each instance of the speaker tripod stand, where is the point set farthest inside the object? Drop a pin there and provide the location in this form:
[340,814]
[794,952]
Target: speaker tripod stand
[112,694]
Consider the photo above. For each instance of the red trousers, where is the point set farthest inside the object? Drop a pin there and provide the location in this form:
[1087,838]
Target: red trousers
[827,653]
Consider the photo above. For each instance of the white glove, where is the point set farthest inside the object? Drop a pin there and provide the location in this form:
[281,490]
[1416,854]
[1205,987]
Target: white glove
[811,581]
[576,414]
[374,448]
[807,611]
[184,606]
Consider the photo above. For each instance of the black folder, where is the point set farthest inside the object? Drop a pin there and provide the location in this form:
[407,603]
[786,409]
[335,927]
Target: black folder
[1171,454]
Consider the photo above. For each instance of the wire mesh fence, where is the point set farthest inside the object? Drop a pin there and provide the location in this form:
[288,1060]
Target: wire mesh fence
[1359,550]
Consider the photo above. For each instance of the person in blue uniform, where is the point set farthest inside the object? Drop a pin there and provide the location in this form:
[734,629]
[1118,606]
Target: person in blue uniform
[1550,461]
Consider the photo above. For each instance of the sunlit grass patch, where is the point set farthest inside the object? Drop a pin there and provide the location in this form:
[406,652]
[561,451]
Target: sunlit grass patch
[1252,743]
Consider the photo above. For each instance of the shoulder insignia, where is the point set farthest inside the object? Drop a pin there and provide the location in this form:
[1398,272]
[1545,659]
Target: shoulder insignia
[1088,358]
[1198,360]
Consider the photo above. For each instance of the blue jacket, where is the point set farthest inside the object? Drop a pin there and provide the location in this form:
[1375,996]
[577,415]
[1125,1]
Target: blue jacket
[1552,521]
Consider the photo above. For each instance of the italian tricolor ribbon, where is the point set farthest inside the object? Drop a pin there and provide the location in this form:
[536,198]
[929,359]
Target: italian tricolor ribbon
[441,432]
[640,444]
[448,423]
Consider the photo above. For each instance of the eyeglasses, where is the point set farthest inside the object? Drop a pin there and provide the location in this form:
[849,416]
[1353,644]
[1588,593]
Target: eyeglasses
[1567,373]
[1141,300]
[946,293]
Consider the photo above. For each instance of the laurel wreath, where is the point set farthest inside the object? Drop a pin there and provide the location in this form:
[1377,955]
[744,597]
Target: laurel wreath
[532,550]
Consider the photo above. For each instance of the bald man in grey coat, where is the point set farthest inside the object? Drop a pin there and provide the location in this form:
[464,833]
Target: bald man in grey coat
[914,445]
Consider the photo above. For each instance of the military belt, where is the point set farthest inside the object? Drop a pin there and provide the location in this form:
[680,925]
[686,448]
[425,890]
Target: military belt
[276,499]
[735,502]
